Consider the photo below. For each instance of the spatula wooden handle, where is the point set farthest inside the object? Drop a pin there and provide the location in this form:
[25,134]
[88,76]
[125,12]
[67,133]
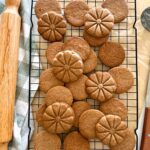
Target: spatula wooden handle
[9,44]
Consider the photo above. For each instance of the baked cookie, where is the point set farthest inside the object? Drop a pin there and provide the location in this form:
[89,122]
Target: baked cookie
[52,26]
[58,94]
[111,54]
[52,50]
[100,86]
[95,41]
[99,22]
[114,106]
[79,107]
[67,66]
[39,114]
[47,141]
[44,6]
[118,8]
[111,130]
[90,63]
[123,77]
[128,142]
[75,12]
[58,118]
[88,121]
[75,141]
[48,80]
[78,88]
[79,45]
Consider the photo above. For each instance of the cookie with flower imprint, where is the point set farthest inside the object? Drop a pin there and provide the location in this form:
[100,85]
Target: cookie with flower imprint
[58,118]
[67,66]
[52,26]
[99,22]
[100,86]
[111,130]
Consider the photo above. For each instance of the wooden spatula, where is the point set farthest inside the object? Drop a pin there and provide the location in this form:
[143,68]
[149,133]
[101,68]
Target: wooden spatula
[145,143]
[9,44]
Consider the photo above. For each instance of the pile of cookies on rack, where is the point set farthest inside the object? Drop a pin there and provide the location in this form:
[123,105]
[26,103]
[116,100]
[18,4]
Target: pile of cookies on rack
[72,77]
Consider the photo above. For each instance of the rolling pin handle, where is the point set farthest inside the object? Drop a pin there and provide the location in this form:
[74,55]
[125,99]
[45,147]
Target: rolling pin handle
[13,3]
[4,146]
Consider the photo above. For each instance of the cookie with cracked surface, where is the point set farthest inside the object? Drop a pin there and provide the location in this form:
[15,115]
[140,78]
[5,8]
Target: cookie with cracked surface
[52,50]
[58,94]
[123,77]
[112,54]
[79,107]
[79,45]
[67,66]
[90,63]
[95,41]
[128,143]
[114,106]
[75,12]
[100,86]
[58,118]
[75,141]
[44,6]
[39,114]
[48,80]
[47,141]
[88,121]
[52,26]
[118,8]
[111,130]
[78,88]
[99,22]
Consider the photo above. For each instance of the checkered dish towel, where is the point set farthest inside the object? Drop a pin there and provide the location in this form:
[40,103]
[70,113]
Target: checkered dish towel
[21,130]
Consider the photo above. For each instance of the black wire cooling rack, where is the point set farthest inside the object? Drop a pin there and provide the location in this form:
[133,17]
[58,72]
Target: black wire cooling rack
[124,33]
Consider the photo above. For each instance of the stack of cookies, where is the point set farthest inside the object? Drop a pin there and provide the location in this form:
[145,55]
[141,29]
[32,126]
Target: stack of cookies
[72,78]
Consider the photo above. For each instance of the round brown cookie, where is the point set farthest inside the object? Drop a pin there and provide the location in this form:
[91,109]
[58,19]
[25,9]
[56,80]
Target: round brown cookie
[114,106]
[78,88]
[75,141]
[123,77]
[78,45]
[39,114]
[58,94]
[118,8]
[111,130]
[44,6]
[79,107]
[75,12]
[99,22]
[58,118]
[52,26]
[90,63]
[67,66]
[48,80]
[87,123]
[100,86]
[128,142]
[112,54]
[52,50]
[95,41]
[47,141]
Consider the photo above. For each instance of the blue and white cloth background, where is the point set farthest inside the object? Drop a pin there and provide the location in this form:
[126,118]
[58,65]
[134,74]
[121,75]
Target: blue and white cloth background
[21,130]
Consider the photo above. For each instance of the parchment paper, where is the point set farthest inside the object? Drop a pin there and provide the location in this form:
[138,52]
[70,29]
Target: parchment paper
[143,53]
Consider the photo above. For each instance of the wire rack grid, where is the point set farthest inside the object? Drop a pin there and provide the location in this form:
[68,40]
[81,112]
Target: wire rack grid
[124,33]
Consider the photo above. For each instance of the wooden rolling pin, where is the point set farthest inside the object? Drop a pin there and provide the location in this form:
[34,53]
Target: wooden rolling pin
[9,44]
